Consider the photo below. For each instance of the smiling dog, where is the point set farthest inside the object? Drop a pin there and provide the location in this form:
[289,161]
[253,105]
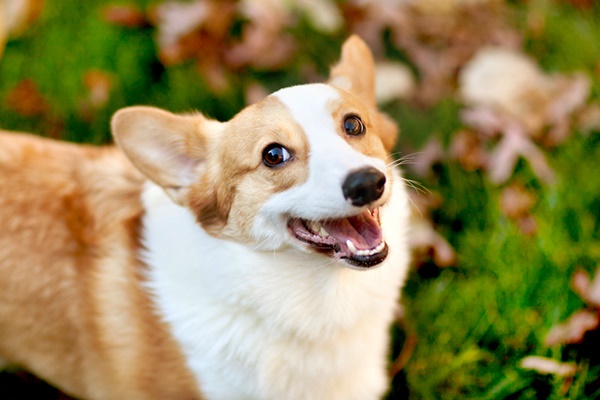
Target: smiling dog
[259,258]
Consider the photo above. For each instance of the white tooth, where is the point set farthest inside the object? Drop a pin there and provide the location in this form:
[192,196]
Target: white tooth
[315,226]
[323,232]
[351,246]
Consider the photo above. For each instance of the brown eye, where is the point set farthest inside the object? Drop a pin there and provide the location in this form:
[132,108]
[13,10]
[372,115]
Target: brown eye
[353,125]
[275,155]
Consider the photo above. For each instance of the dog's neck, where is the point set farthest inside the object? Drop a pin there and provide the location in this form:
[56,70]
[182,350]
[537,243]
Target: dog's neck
[229,303]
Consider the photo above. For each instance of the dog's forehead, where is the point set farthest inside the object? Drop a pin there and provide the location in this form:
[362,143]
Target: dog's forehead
[311,106]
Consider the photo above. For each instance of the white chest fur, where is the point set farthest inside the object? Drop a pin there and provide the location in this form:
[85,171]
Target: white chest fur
[273,325]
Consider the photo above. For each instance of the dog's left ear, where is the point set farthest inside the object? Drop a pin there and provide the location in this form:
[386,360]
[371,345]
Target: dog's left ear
[169,149]
[355,73]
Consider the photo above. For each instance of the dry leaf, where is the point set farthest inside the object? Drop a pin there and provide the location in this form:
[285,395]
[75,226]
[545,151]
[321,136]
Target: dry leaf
[198,29]
[323,15]
[393,81]
[255,92]
[514,144]
[264,44]
[99,84]
[439,37]
[467,149]
[588,119]
[573,331]
[509,95]
[548,366]
[516,201]
[16,16]
[26,100]
[426,244]
[422,162]
[125,15]
[588,290]
[509,83]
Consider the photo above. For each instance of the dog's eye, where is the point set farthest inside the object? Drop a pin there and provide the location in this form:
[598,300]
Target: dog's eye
[274,155]
[353,125]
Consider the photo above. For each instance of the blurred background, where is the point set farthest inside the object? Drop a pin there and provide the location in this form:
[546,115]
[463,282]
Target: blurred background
[499,108]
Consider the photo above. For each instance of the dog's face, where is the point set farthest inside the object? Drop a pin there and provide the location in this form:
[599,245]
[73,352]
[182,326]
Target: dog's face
[305,167]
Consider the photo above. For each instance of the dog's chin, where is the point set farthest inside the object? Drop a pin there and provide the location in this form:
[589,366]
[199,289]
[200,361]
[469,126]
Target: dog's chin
[356,240]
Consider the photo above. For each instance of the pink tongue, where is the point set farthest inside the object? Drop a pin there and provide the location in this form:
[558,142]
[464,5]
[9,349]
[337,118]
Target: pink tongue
[362,230]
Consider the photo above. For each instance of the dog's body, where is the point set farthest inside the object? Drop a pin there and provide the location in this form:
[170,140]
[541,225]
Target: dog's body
[235,272]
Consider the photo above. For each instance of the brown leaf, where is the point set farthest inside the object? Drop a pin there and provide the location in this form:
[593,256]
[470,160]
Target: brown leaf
[422,162]
[516,201]
[264,42]
[548,366]
[99,84]
[588,119]
[515,144]
[255,92]
[467,149]
[393,81]
[125,15]
[428,245]
[198,29]
[16,16]
[573,331]
[588,290]
[26,100]
[19,15]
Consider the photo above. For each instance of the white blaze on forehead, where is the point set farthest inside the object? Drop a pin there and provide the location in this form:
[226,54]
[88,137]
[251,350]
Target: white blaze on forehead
[331,158]
[312,107]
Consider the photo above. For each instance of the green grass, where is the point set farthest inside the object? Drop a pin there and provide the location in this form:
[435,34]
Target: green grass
[474,322]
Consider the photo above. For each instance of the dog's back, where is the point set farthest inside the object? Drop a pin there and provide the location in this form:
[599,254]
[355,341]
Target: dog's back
[273,245]
[69,216]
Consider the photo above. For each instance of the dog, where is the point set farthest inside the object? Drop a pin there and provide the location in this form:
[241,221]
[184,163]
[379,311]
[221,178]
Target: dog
[259,258]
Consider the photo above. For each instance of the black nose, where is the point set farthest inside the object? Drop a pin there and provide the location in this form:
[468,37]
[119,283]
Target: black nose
[364,186]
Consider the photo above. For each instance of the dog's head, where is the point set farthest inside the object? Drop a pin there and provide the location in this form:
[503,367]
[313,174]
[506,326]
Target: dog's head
[304,167]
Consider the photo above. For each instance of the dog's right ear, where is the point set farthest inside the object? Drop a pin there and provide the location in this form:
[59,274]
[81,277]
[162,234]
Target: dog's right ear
[168,148]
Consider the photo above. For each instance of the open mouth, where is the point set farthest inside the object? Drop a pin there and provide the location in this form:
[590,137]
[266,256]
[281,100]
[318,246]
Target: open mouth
[358,239]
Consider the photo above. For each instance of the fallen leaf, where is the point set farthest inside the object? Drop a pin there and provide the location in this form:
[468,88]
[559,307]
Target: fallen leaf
[16,16]
[264,42]
[516,201]
[26,100]
[255,92]
[393,81]
[588,119]
[467,148]
[422,162]
[513,145]
[98,83]
[428,245]
[323,15]
[20,14]
[573,331]
[548,366]
[588,290]
[507,82]
[198,29]
[125,15]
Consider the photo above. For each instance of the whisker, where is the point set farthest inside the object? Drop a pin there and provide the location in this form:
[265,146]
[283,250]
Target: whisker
[407,159]
[416,185]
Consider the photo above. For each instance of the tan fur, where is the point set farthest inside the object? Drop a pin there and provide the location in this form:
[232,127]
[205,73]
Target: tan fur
[71,307]
[219,158]
[360,82]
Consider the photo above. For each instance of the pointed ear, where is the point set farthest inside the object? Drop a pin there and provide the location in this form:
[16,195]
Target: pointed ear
[355,72]
[168,148]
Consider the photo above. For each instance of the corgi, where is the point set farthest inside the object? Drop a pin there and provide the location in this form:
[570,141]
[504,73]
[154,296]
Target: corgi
[259,258]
